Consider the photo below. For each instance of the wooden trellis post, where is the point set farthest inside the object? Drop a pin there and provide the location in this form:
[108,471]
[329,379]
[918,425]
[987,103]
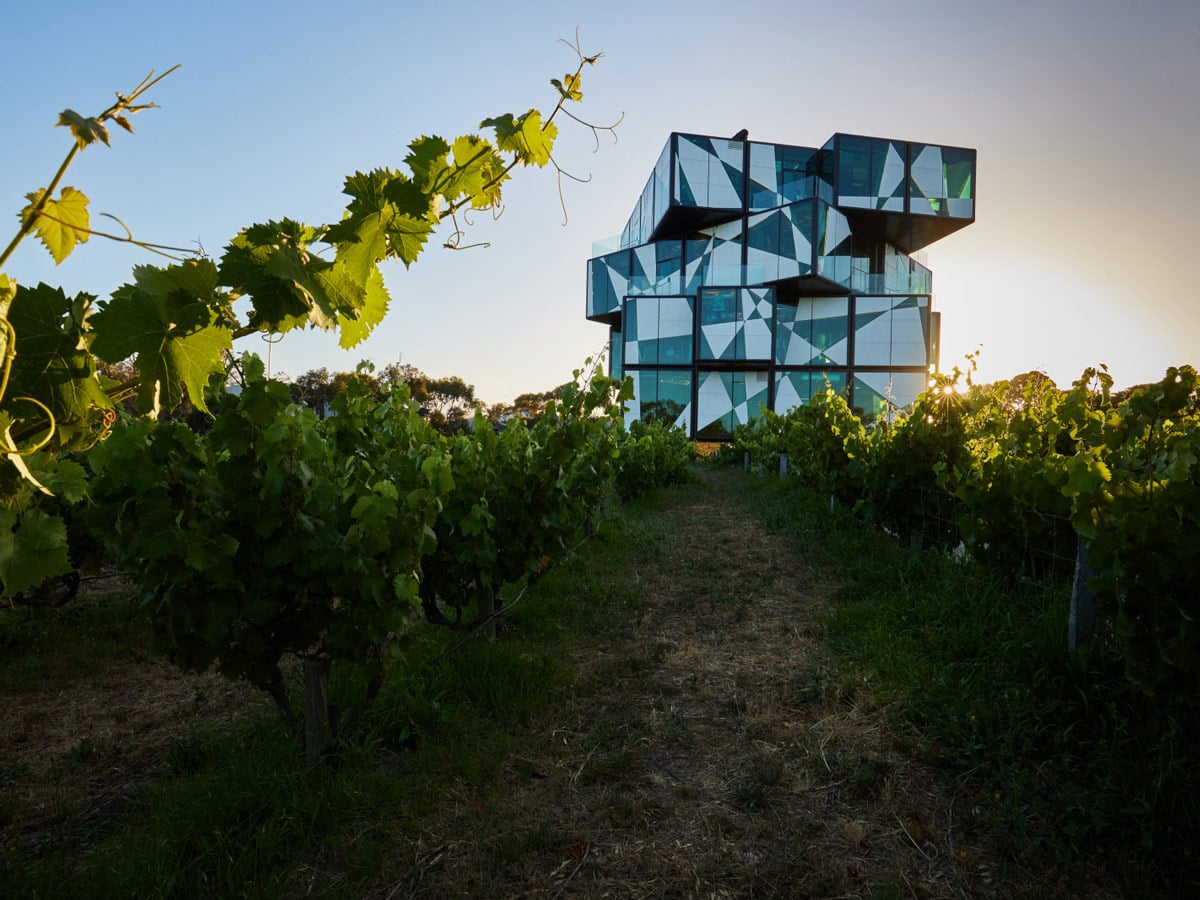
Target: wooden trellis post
[1083,601]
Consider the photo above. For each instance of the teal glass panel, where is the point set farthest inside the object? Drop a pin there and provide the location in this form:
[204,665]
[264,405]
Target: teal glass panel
[942,181]
[608,282]
[869,400]
[910,332]
[835,245]
[662,183]
[830,330]
[725,400]
[792,389]
[674,397]
[891,331]
[714,257]
[663,396]
[669,263]
[658,330]
[708,172]
[880,395]
[793,334]
[735,323]
[719,318]
[871,173]
[780,175]
[812,331]
[873,331]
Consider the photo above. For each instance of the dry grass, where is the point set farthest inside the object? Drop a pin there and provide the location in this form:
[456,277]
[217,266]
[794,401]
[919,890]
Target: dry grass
[84,736]
[715,751]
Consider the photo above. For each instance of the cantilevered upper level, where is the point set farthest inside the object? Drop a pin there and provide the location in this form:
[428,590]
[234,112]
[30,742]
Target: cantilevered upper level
[910,193]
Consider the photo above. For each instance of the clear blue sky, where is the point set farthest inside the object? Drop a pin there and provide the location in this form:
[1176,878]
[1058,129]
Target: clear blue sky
[1085,116]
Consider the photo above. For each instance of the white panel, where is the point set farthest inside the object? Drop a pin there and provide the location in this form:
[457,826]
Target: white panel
[785,394]
[712,400]
[927,172]
[893,172]
[758,339]
[696,171]
[908,338]
[675,317]
[719,336]
[873,342]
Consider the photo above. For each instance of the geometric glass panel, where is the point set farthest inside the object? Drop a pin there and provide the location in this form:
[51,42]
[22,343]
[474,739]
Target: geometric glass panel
[735,323]
[871,173]
[812,331]
[942,181]
[725,400]
[708,172]
[664,396]
[658,330]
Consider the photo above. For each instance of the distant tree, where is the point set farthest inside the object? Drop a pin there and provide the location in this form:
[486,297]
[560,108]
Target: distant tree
[314,389]
[447,403]
[394,374]
[533,404]
[341,379]
[499,412]
[450,404]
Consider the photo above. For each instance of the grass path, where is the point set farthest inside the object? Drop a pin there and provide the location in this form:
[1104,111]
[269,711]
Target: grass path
[660,718]
[712,749]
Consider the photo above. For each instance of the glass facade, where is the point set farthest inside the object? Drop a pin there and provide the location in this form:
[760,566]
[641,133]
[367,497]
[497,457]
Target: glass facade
[753,275]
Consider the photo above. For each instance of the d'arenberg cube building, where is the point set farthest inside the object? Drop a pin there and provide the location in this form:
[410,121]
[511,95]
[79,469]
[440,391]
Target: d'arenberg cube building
[749,274]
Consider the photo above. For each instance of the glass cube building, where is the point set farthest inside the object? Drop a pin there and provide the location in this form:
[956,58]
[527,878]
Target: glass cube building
[752,274]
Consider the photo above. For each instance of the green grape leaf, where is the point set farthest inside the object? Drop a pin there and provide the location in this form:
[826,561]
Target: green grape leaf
[87,130]
[411,219]
[527,136]
[53,365]
[475,166]
[67,479]
[1085,473]
[166,319]
[354,330]
[427,160]
[506,130]
[36,549]
[569,86]
[61,223]
[389,216]
[253,263]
